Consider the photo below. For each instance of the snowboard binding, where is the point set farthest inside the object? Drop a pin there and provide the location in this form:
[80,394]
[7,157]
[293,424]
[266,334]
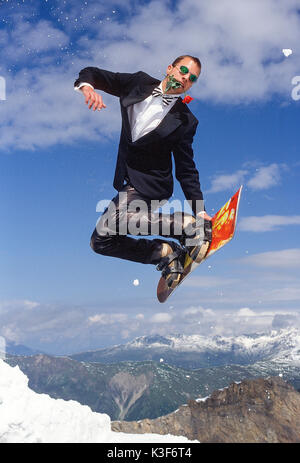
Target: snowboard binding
[172,266]
[196,239]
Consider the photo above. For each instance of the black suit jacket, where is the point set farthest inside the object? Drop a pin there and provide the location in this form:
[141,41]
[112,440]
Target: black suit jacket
[147,162]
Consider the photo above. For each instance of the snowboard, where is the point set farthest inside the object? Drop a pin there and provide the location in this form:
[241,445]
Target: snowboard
[223,228]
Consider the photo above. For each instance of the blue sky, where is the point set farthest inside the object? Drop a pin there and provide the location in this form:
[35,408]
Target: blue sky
[57,161]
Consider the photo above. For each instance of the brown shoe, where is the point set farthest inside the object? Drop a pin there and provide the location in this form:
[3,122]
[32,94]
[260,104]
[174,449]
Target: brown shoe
[171,263]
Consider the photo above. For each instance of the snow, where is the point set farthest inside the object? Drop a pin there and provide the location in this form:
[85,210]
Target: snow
[203,399]
[287,51]
[282,346]
[28,417]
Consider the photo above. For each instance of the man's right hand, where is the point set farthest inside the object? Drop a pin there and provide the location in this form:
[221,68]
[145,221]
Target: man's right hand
[92,98]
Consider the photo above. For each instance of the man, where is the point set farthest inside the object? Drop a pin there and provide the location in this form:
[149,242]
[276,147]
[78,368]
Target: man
[155,124]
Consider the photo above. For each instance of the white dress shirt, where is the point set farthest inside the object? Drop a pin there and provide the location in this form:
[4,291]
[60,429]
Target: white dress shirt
[146,115]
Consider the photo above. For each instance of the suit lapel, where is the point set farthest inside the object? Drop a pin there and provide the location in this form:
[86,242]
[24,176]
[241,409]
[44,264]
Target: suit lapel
[137,94]
[170,122]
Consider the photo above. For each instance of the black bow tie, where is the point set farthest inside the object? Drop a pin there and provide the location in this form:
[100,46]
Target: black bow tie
[167,99]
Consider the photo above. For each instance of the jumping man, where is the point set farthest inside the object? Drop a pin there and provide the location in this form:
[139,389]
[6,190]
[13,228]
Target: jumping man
[156,124]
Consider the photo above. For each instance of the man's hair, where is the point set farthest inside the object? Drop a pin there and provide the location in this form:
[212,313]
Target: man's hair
[194,58]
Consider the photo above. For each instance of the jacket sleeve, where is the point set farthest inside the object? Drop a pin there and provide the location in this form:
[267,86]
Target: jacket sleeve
[186,171]
[107,81]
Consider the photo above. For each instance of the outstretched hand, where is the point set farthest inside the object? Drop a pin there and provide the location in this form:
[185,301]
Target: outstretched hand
[204,215]
[92,98]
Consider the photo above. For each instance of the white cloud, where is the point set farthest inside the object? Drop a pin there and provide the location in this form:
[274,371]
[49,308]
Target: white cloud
[62,329]
[224,182]
[263,178]
[236,323]
[288,293]
[26,41]
[286,320]
[16,304]
[99,318]
[11,333]
[243,320]
[125,334]
[266,177]
[193,311]
[246,312]
[108,319]
[37,113]
[240,51]
[267,222]
[263,280]
[162,317]
[286,258]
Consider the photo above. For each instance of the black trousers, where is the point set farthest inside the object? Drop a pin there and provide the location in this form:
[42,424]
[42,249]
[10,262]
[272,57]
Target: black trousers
[130,213]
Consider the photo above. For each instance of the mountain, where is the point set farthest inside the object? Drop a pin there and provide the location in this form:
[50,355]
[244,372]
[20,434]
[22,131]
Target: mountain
[13,348]
[28,417]
[196,351]
[136,390]
[126,390]
[253,411]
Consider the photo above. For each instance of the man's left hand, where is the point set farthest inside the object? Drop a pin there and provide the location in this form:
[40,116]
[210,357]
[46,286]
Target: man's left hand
[204,215]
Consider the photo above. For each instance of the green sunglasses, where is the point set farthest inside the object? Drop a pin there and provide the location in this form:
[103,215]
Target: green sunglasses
[185,70]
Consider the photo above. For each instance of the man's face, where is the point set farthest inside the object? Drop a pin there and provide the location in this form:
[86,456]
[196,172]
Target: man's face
[184,79]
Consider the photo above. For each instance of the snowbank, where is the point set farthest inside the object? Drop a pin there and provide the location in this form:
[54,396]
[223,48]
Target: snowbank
[26,416]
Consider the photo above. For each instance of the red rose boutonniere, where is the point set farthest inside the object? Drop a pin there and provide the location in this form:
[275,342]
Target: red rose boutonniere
[187,99]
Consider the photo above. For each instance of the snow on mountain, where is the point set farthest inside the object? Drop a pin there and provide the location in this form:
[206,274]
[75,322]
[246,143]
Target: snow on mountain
[281,346]
[28,417]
